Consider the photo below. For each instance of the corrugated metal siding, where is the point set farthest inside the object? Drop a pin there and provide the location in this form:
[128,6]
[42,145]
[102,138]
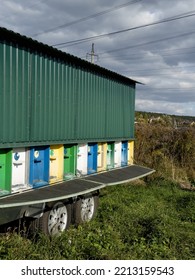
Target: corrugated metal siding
[14,94]
[129,110]
[91,107]
[53,101]
[45,100]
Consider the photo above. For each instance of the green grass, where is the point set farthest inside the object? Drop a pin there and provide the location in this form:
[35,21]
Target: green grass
[153,220]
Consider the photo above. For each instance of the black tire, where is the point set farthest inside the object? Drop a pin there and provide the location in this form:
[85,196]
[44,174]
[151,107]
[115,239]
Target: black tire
[54,220]
[85,208]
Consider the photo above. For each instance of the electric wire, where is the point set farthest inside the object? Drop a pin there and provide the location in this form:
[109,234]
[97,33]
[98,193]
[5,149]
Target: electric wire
[153,52]
[86,18]
[159,69]
[149,42]
[87,39]
[165,88]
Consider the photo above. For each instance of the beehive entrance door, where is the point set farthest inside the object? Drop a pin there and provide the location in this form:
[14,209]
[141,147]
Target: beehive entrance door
[110,155]
[56,163]
[39,166]
[5,169]
[124,152]
[69,161]
[19,161]
[92,158]
[2,170]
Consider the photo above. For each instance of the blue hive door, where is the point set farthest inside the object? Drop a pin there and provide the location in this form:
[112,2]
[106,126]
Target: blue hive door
[39,166]
[124,152]
[92,158]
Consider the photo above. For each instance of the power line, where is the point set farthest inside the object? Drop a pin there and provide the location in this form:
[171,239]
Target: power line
[138,77]
[155,72]
[157,69]
[175,88]
[150,42]
[87,18]
[145,58]
[170,74]
[163,52]
[87,39]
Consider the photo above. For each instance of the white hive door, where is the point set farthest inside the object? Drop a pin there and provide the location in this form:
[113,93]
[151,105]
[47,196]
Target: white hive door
[18,168]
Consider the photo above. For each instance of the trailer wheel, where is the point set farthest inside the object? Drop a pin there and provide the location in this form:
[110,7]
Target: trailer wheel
[54,221]
[85,208]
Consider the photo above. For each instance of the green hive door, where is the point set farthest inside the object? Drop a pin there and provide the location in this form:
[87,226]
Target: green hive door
[5,170]
[110,155]
[70,161]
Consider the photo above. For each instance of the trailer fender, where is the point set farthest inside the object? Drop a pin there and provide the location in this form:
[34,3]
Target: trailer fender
[35,210]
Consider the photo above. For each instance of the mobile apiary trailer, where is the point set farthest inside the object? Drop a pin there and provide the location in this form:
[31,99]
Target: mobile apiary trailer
[66,131]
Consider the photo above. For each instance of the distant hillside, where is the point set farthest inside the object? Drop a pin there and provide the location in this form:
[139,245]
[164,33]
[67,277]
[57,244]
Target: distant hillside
[172,120]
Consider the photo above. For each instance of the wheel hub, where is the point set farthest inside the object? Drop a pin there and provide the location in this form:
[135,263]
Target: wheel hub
[87,208]
[57,220]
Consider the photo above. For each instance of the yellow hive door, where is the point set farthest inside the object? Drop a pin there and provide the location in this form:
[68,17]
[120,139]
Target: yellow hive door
[56,163]
[130,152]
[102,157]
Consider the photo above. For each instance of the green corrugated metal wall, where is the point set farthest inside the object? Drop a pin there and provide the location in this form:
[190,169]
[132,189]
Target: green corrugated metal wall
[46,100]
[14,94]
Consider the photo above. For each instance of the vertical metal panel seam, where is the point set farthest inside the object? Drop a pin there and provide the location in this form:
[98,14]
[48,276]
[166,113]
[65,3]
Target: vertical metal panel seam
[76,104]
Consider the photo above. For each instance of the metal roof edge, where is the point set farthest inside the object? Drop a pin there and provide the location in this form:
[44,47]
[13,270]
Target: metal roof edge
[23,41]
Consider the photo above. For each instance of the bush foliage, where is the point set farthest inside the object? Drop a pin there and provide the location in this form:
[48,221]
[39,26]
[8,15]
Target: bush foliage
[168,150]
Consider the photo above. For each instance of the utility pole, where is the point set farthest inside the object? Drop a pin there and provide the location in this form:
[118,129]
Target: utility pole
[92,54]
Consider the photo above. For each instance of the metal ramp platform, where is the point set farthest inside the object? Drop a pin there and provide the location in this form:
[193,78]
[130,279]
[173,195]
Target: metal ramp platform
[75,187]
[120,175]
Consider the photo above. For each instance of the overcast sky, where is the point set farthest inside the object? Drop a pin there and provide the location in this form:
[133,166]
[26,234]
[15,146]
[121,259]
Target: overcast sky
[156,45]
